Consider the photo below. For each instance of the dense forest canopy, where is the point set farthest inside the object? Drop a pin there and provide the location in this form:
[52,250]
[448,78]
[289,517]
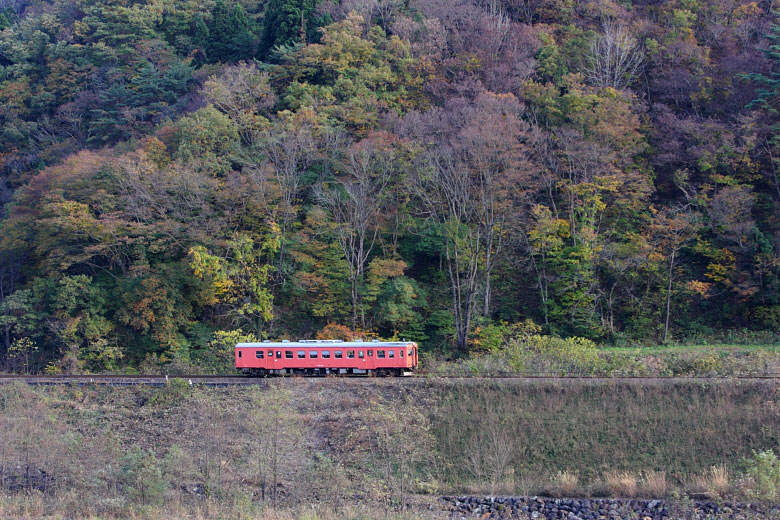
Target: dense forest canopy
[176,175]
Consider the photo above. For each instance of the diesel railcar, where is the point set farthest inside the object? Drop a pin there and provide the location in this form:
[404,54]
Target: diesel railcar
[327,357]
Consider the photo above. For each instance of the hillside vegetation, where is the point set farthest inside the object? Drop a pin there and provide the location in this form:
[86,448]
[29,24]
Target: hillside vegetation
[178,175]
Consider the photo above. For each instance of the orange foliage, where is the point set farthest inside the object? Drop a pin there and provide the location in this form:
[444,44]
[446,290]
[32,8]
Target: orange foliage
[338,331]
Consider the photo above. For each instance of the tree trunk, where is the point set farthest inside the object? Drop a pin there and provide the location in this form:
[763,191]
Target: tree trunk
[611,310]
[669,295]
[486,308]
[354,303]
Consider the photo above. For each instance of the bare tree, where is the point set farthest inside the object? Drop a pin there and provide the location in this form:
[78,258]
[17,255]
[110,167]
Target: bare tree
[469,182]
[289,151]
[674,229]
[730,213]
[615,58]
[445,191]
[276,440]
[356,204]
[491,448]
[401,425]
[494,146]
[242,92]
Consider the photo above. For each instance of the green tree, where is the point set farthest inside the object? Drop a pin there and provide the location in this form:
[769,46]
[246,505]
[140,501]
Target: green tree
[286,23]
[207,140]
[19,317]
[84,332]
[229,34]
[239,280]
[769,84]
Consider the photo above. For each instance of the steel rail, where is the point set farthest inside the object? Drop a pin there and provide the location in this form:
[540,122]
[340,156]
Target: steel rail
[223,380]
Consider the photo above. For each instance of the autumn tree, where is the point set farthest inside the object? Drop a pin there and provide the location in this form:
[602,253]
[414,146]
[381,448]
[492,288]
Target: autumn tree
[466,182]
[242,93]
[287,151]
[673,228]
[238,281]
[357,203]
[615,57]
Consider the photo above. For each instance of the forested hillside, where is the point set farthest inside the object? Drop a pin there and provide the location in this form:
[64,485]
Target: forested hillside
[176,175]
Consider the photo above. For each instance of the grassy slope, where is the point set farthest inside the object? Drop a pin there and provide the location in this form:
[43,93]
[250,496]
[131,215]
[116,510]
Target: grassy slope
[376,439]
[593,427]
[681,349]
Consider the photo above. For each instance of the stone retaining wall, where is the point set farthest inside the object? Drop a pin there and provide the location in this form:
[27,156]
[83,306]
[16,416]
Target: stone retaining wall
[542,508]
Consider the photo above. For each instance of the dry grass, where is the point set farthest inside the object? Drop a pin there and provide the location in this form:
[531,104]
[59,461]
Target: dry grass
[719,479]
[714,482]
[37,506]
[622,484]
[564,483]
[654,484]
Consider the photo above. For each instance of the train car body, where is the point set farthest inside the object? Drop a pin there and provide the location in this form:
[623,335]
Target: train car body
[327,357]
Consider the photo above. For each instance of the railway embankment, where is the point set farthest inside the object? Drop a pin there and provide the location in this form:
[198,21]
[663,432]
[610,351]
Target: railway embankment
[297,445]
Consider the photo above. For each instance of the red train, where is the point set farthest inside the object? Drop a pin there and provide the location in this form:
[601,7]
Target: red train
[325,357]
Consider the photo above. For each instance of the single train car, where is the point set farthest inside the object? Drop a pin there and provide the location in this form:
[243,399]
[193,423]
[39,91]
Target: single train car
[327,357]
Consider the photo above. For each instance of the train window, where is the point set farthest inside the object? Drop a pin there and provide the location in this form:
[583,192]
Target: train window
[259,354]
[288,354]
[410,352]
[391,353]
[278,354]
[239,353]
[350,354]
[337,354]
[380,354]
[360,354]
[326,354]
[270,353]
[312,354]
[370,353]
[401,352]
[301,354]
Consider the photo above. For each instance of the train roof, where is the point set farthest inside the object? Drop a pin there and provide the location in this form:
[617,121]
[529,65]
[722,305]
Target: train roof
[324,343]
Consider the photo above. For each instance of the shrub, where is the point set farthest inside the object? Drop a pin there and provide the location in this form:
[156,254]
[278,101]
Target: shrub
[553,355]
[492,337]
[695,363]
[142,475]
[707,364]
[762,477]
[218,356]
[176,391]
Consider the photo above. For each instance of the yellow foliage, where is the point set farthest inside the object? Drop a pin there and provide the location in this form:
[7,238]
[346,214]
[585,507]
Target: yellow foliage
[700,288]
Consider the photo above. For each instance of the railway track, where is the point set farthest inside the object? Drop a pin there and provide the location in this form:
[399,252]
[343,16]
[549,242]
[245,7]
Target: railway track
[240,380]
[126,380]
